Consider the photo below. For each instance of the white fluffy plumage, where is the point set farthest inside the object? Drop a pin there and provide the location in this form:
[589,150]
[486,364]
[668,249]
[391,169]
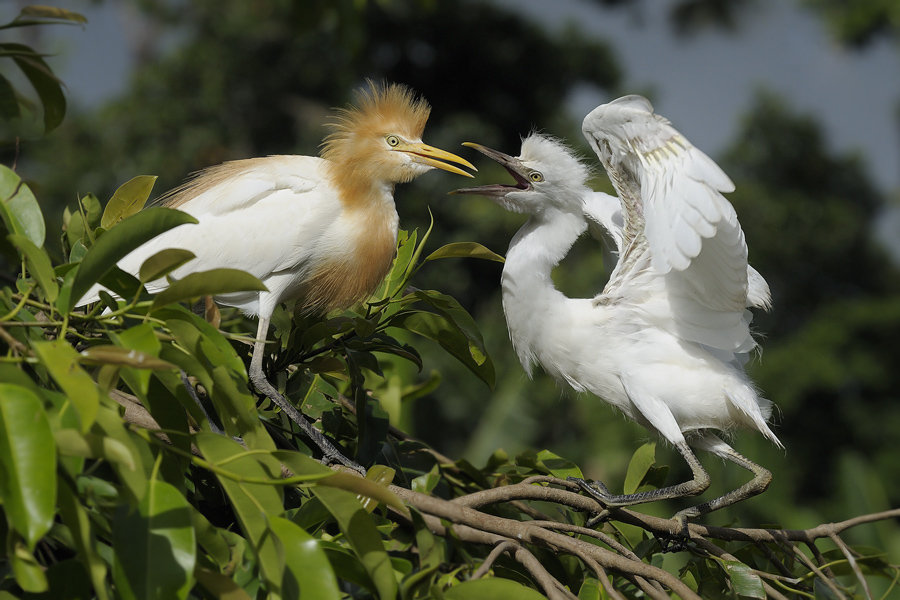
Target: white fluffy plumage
[666,339]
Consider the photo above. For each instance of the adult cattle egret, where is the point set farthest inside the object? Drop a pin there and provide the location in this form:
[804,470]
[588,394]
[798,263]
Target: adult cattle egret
[322,231]
[666,340]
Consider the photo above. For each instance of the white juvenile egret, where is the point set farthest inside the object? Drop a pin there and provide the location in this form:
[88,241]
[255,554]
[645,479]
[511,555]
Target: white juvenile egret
[319,230]
[666,340]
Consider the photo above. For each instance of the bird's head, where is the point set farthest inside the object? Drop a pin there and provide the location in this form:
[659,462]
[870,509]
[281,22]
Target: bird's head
[380,137]
[547,174]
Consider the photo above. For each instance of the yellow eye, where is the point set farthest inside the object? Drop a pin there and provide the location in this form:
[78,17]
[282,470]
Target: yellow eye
[393,141]
[536,176]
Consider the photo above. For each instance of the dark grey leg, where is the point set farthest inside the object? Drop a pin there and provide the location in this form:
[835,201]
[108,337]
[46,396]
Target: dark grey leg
[331,454]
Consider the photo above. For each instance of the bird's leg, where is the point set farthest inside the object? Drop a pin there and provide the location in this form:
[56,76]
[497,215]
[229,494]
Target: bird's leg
[762,477]
[331,454]
[695,486]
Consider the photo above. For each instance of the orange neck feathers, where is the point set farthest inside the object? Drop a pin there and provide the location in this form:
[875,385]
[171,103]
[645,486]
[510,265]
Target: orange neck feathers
[358,163]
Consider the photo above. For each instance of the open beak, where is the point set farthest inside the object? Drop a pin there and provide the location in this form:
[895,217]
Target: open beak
[433,157]
[510,163]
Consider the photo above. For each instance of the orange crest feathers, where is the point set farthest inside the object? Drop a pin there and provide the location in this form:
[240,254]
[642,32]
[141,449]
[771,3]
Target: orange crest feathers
[382,109]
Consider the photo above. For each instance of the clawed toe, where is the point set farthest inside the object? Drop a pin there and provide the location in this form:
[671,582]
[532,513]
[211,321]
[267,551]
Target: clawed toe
[676,542]
[598,492]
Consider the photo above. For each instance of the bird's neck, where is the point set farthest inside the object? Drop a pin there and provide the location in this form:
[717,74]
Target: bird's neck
[541,244]
[529,295]
[359,188]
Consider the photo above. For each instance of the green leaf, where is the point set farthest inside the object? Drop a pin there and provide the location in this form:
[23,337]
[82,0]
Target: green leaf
[122,453]
[744,581]
[308,574]
[155,545]
[46,84]
[253,503]
[491,588]
[220,586]
[641,462]
[212,282]
[19,208]
[464,250]
[9,103]
[27,463]
[51,12]
[443,331]
[61,361]
[360,531]
[123,357]
[366,489]
[75,517]
[128,200]
[119,241]
[164,262]
[558,466]
[28,572]
[39,266]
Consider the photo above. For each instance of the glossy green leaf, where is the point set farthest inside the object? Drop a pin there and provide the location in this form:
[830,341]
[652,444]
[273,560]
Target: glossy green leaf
[201,339]
[348,566]
[19,209]
[164,262]
[38,264]
[356,524]
[91,445]
[124,456]
[46,84]
[591,590]
[128,200]
[557,465]
[464,250]
[253,503]
[92,211]
[491,588]
[51,12]
[308,573]
[9,103]
[155,546]
[75,517]
[212,282]
[441,330]
[119,241]
[365,490]
[27,463]
[220,586]
[28,572]
[744,581]
[123,357]
[68,580]
[61,361]
[641,462]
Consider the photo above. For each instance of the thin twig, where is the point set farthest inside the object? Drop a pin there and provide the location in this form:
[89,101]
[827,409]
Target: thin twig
[853,564]
[815,569]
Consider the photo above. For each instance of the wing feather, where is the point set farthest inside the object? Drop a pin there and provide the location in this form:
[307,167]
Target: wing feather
[686,268]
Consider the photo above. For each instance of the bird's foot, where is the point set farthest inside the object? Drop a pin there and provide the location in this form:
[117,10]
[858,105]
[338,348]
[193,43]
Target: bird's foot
[330,454]
[598,492]
[676,542]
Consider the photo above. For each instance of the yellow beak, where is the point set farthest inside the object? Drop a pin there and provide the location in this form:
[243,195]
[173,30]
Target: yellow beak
[432,156]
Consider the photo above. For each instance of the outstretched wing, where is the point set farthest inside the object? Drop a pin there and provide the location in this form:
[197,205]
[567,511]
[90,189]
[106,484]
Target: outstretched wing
[682,237]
